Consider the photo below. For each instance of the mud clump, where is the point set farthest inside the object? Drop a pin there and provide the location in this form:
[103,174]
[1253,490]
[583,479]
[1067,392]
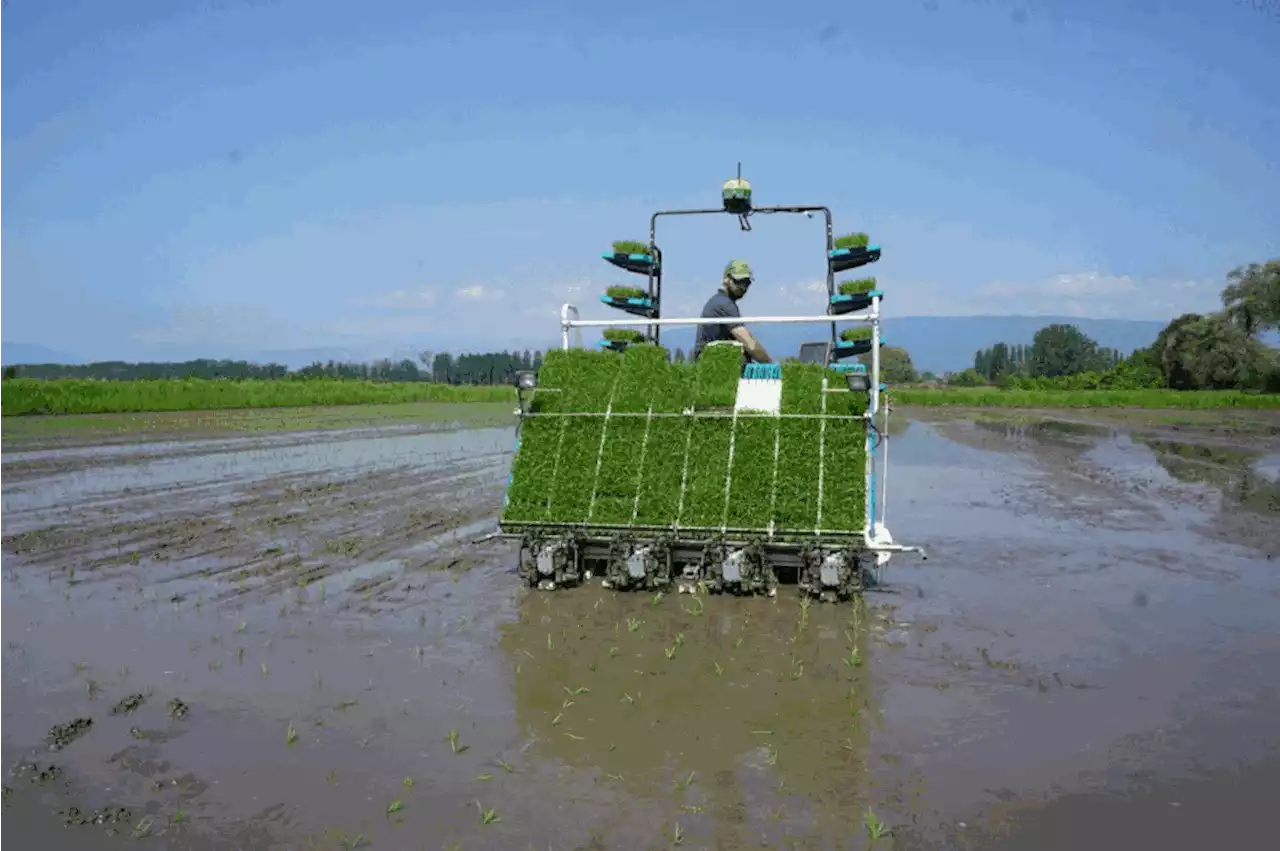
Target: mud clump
[177,709]
[129,705]
[73,816]
[62,735]
[35,774]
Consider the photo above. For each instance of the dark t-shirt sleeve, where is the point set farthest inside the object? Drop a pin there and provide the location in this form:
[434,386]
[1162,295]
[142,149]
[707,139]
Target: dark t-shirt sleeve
[723,307]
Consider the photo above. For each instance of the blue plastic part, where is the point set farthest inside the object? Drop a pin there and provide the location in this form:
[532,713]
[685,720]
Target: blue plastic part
[634,258]
[884,386]
[763,370]
[840,298]
[841,252]
[638,302]
[849,367]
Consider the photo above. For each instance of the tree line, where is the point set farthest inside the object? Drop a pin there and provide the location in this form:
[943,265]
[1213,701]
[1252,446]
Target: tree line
[438,367]
[1221,350]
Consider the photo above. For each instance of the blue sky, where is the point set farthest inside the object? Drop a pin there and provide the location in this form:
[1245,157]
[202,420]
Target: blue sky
[230,176]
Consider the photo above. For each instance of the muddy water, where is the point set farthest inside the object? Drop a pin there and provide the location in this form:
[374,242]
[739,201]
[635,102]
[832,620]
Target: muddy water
[1100,613]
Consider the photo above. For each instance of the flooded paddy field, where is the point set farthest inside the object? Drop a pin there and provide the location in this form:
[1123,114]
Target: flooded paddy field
[292,640]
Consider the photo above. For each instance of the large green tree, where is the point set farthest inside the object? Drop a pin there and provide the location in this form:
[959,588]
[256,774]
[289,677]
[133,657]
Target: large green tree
[895,365]
[1210,353]
[1059,350]
[1252,298]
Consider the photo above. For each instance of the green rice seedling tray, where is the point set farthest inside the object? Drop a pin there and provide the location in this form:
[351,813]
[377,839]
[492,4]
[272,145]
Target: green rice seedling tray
[639,443]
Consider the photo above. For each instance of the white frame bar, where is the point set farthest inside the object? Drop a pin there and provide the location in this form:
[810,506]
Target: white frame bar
[566,323]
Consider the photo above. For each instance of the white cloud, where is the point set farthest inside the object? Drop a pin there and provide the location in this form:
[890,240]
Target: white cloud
[1077,284]
[478,292]
[1090,294]
[400,299]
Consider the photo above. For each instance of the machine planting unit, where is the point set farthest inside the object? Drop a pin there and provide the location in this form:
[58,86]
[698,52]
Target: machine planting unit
[648,473]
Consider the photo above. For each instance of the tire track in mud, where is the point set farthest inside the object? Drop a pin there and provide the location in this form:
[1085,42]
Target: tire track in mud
[249,541]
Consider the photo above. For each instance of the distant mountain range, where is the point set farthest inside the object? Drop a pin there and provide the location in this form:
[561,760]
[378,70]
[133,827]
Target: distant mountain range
[937,344]
[18,353]
[941,344]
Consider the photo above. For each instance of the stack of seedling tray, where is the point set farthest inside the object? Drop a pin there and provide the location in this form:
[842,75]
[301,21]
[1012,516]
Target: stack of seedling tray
[851,251]
[637,443]
[852,296]
[634,256]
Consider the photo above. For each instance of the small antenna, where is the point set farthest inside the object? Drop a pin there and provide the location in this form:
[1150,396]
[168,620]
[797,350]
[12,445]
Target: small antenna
[739,169]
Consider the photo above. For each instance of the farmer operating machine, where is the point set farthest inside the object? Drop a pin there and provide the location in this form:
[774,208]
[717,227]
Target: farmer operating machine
[648,473]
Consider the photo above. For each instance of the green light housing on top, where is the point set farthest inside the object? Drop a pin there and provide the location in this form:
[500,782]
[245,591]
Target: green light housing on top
[736,196]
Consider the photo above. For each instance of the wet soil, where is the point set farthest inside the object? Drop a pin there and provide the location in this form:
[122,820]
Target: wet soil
[297,643]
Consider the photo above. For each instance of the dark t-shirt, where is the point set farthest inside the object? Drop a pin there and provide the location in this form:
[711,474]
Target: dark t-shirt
[718,305]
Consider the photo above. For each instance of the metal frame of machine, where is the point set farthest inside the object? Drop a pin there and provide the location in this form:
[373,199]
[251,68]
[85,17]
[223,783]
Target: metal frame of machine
[831,565]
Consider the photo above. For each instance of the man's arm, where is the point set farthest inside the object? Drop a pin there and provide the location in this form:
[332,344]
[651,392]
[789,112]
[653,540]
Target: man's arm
[750,344]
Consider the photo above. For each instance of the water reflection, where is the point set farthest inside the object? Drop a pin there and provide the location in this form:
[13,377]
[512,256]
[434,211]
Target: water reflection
[742,717]
[1237,473]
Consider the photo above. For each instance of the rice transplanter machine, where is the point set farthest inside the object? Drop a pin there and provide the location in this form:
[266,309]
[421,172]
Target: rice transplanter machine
[648,473]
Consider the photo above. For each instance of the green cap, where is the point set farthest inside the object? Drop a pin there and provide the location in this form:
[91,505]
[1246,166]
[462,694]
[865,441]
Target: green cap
[739,270]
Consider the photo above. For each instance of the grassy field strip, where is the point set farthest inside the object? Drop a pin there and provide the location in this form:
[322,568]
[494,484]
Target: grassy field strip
[985,397]
[24,396]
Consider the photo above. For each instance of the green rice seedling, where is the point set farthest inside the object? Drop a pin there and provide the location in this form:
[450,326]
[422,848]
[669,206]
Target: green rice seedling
[581,439]
[505,766]
[625,292]
[537,458]
[487,816]
[844,456]
[407,783]
[623,335]
[633,624]
[852,240]
[861,286]
[876,829]
[662,473]
[677,835]
[454,744]
[484,778]
[716,468]
[290,735]
[796,494]
[753,470]
[715,388]
[856,334]
[628,438]
[630,246]
[395,806]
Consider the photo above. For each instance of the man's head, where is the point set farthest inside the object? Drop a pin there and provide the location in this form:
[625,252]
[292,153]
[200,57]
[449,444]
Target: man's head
[737,278]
